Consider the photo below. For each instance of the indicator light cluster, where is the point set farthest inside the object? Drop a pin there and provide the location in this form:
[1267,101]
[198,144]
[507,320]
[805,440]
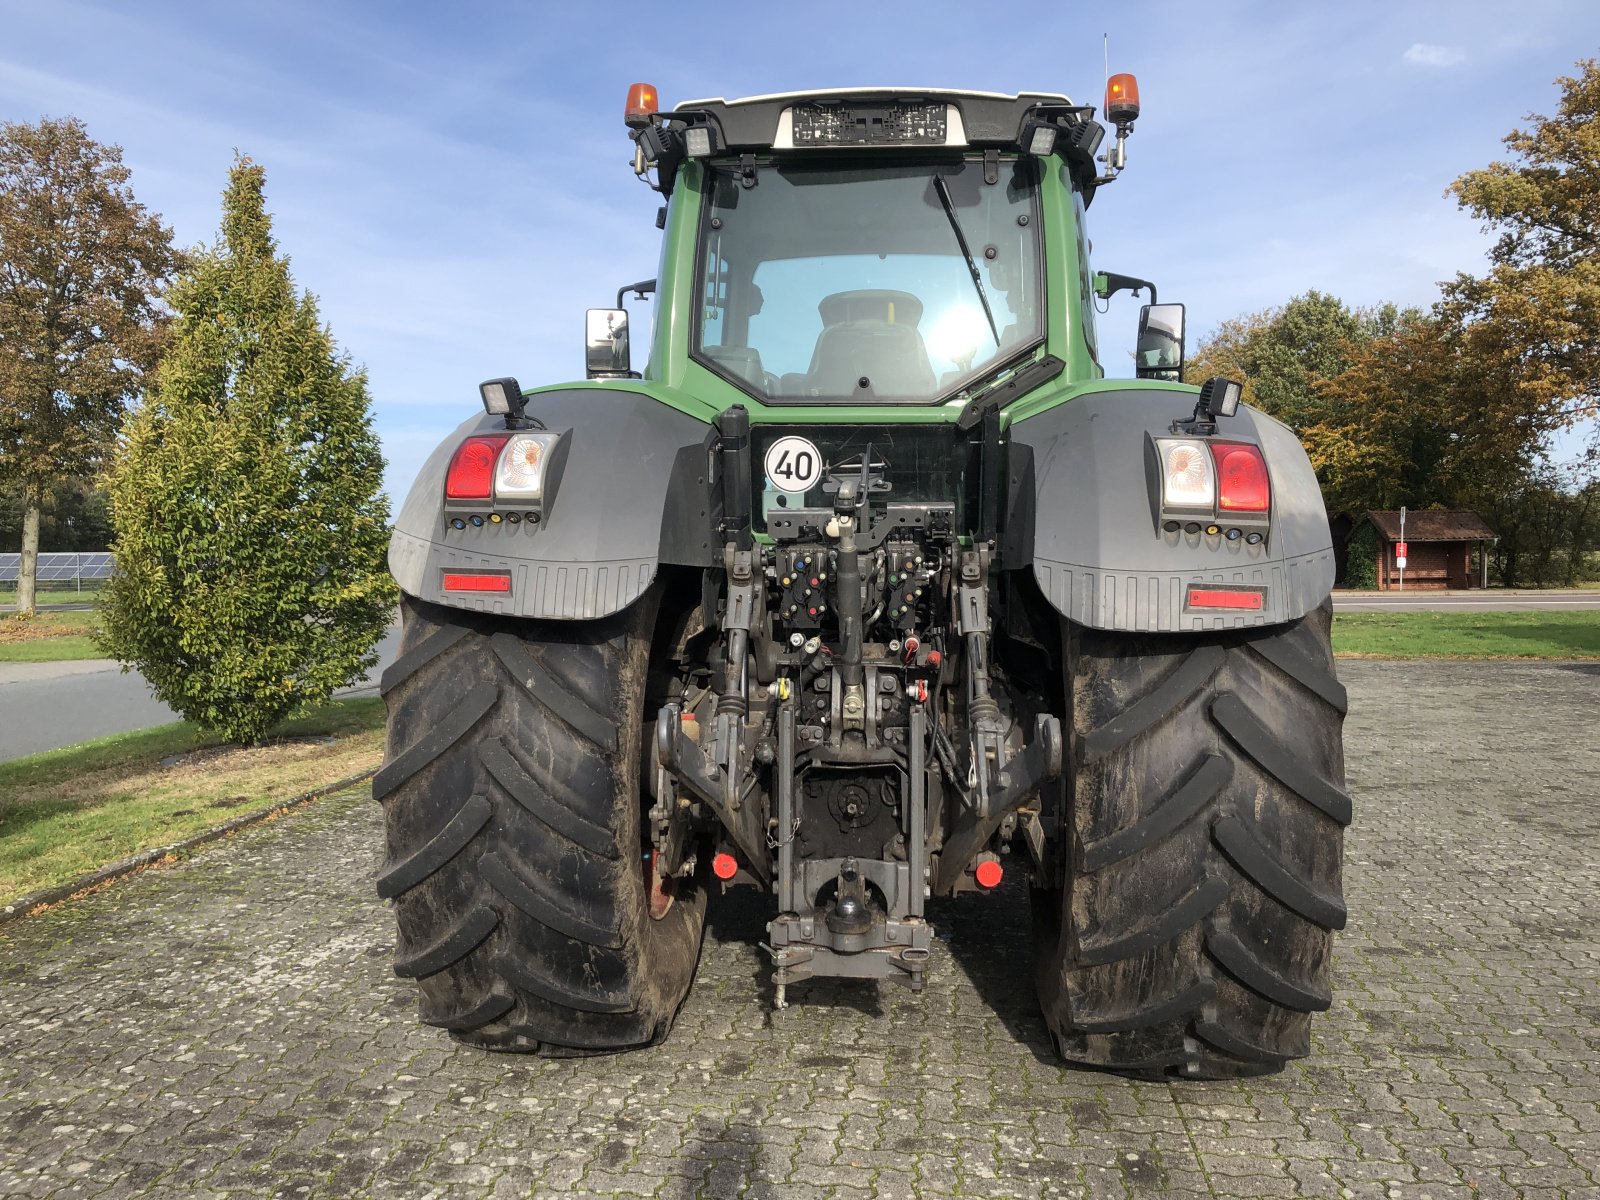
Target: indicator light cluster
[1220,489]
[479,520]
[503,468]
[1212,529]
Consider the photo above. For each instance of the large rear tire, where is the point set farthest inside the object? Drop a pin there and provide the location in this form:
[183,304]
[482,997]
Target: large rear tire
[1204,839]
[512,803]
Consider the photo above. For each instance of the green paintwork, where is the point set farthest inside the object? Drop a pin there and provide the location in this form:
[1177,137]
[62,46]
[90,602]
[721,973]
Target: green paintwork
[672,377]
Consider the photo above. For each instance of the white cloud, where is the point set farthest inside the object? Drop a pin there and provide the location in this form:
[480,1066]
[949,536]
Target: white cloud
[1425,54]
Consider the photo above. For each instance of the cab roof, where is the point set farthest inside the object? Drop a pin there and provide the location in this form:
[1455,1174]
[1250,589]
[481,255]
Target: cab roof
[976,119]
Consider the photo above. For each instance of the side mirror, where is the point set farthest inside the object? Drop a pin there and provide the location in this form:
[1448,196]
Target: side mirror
[606,344]
[1158,354]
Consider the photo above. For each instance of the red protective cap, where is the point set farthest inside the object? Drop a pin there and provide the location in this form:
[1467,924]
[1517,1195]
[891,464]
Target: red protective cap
[989,873]
[724,866]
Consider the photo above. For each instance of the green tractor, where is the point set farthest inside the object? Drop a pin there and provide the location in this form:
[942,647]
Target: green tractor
[870,588]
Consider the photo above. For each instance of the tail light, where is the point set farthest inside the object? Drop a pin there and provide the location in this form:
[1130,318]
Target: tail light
[1242,483]
[522,469]
[471,474]
[1188,476]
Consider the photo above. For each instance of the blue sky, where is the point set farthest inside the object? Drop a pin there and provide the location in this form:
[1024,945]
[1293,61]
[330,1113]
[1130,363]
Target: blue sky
[452,180]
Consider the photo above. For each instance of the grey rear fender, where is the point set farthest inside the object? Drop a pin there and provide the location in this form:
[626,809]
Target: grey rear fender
[1083,515]
[631,492]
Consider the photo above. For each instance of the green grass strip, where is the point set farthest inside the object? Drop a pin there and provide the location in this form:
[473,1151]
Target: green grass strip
[1545,634]
[66,812]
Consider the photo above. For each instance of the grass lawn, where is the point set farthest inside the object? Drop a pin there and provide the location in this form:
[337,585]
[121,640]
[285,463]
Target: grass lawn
[1467,635]
[48,636]
[67,594]
[66,812]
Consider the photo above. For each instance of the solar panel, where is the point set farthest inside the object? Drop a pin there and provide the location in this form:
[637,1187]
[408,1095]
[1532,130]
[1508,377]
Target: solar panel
[60,567]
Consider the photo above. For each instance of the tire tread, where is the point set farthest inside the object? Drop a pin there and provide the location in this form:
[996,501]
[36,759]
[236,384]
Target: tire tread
[1191,937]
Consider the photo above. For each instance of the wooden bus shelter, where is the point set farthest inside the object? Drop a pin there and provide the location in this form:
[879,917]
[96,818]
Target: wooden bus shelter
[1439,544]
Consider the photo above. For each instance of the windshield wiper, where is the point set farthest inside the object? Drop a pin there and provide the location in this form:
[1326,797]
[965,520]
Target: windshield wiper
[943,189]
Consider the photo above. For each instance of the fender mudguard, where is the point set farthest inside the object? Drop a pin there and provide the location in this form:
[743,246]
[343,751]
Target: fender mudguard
[632,492]
[1083,509]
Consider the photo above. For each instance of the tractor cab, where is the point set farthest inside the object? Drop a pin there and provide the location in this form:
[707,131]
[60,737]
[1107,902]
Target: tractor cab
[876,247]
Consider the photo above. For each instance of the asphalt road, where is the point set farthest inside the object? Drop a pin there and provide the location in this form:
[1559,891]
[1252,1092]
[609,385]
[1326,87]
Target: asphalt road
[230,1027]
[1475,601]
[47,705]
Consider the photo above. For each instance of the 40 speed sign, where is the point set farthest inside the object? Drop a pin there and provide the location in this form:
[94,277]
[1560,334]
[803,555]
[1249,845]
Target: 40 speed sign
[793,464]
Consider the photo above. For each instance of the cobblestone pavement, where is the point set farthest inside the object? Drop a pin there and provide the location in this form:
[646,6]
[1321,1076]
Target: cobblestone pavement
[231,1025]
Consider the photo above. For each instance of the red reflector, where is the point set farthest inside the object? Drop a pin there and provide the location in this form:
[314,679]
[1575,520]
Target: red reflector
[1242,484]
[990,873]
[471,474]
[486,581]
[1225,598]
[724,866]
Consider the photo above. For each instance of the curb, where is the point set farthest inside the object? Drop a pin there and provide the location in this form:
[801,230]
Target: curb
[23,906]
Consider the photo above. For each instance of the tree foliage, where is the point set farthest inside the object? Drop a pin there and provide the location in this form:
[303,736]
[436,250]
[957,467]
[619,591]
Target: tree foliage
[74,516]
[81,266]
[1533,322]
[1549,527]
[1456,407]
[250,525]
[1320,367]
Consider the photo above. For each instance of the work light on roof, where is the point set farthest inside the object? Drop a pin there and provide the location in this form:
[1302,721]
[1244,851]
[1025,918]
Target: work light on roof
[502,397]
[1040,138]
[699,141]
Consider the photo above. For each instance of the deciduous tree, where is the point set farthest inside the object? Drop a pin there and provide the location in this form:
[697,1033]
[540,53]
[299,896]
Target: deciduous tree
[1294,361]
[81,265]
[250,525]
[1533,322]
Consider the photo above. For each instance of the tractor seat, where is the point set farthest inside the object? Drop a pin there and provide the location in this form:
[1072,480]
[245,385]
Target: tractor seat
[870,334]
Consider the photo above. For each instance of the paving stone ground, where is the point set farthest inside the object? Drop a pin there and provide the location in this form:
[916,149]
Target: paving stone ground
[231,1027]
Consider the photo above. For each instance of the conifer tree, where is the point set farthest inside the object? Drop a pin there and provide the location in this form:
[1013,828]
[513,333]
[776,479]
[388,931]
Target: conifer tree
[250,524]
